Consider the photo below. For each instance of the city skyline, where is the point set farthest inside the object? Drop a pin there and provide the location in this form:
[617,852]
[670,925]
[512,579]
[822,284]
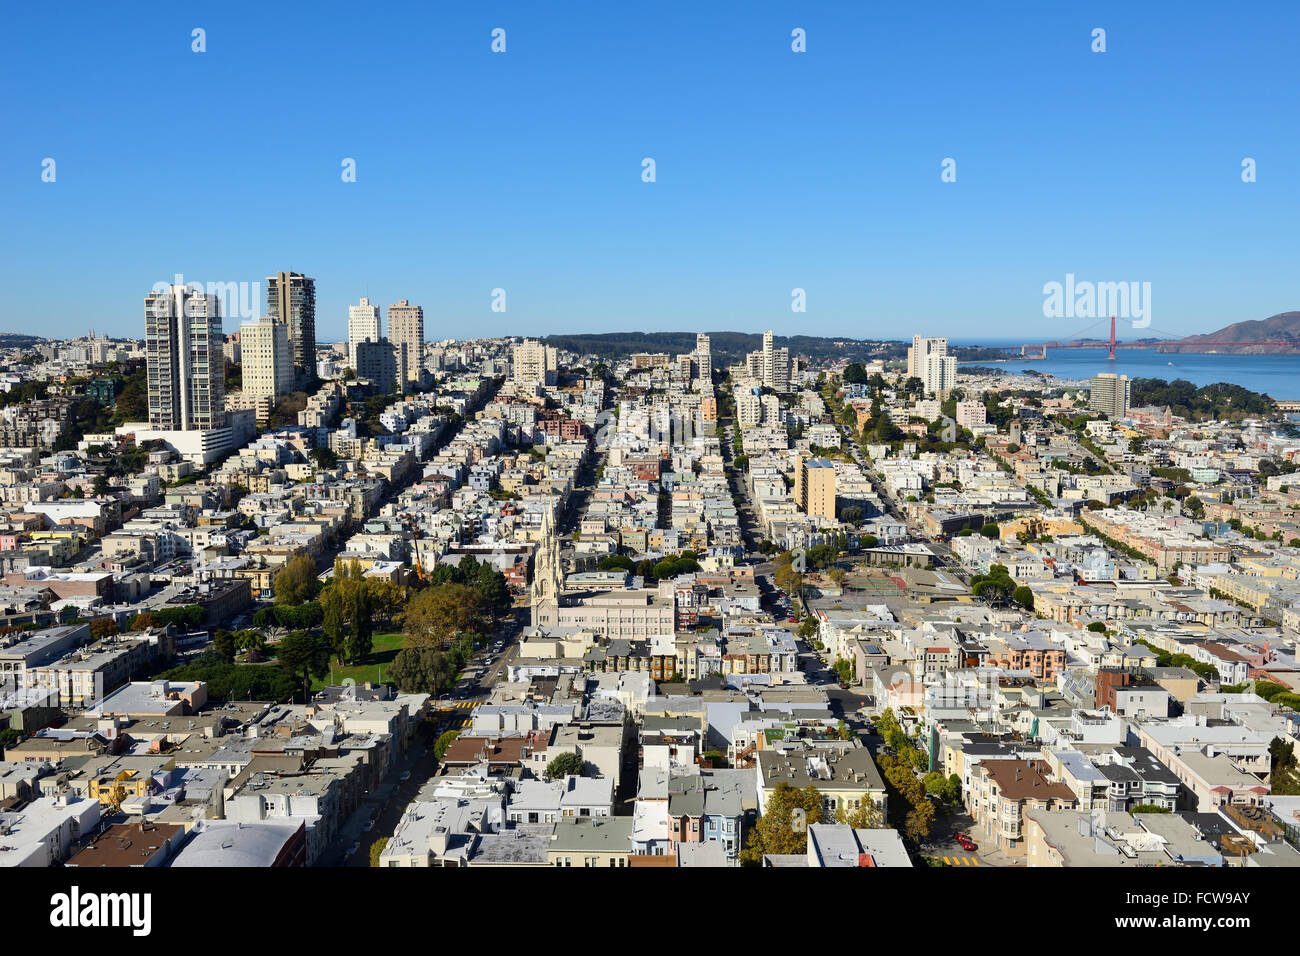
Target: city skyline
[820,171]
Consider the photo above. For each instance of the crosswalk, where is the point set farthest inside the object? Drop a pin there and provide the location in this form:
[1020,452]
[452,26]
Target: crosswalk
[961,861]
[459,704]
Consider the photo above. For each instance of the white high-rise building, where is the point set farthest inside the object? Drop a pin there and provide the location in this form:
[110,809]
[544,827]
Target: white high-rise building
[365,324]
[928,360]
[771,366]
[704,359]
[185,360]
[921,350]
[267,368]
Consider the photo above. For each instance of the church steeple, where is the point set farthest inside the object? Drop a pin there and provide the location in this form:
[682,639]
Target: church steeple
[547,576]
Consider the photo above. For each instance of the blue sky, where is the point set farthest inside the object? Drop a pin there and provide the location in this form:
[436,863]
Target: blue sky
[775,170]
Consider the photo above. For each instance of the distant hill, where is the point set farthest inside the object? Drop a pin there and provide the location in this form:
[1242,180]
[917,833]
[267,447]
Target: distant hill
[19,340]
[725,346]
[1276,335]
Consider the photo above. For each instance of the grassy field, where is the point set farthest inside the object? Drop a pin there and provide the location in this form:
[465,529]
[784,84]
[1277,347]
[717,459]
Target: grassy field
[381,655]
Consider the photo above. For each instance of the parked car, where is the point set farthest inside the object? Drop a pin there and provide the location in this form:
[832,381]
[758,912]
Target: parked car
[966,845]
[406,775]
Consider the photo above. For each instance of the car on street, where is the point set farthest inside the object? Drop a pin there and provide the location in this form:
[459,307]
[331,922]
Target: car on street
[406,775]
[368,826]
[966,845]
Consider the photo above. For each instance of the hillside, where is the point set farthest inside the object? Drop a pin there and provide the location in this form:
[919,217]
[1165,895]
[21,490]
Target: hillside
[726,346]
[19,340]
[1281,333]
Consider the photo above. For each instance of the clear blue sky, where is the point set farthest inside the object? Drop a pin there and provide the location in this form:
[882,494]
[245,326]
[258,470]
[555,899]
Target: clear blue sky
[775,170]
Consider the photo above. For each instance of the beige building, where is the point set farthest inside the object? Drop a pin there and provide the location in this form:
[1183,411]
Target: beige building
[534,363]
[267,368]
[1110,395]
[814,487]
[406,332]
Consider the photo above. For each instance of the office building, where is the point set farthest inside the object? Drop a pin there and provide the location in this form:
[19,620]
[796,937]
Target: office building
[406,332]
[1110,395]
[185,360]
[291,299]
[365,324]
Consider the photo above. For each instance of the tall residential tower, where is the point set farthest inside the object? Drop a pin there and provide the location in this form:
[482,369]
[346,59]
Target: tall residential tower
[185,360]
[291,299]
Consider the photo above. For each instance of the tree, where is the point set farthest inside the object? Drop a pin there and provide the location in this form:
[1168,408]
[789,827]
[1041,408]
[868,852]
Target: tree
[854,374]
[386,599]
[250,642]
[947,789]
[919,820]
[102,627]
[8,737]
[565,765]
[783,829]
[1024,597]
[438,613]
[443,742]
[422,670]
[223,642]
[377,850]
[324,457]
[296,582]
[991,530]
[305,655]
[866,816]
[493,592]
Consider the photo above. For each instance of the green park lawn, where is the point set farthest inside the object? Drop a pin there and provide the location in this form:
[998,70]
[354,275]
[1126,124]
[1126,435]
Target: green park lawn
[381,655]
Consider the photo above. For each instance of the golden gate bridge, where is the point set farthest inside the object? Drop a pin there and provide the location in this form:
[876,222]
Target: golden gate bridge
[1073,342]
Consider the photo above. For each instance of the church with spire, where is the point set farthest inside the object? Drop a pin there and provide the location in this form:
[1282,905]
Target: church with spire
[548,577]
[612,612]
